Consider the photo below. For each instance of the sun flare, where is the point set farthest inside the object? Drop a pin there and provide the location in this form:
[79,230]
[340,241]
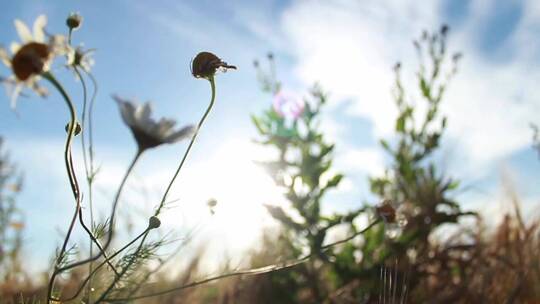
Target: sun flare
[232,178]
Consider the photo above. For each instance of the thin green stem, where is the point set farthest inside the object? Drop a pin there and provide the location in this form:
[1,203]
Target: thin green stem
[117,197]
[83,121]
[70,171]
[88,230]
[111,218]
[201,122]
[92,172]
[164,198]
[86,168]
[69,35]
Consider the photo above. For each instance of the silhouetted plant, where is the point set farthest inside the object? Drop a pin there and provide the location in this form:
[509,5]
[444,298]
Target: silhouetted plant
[414,183]
[11,219]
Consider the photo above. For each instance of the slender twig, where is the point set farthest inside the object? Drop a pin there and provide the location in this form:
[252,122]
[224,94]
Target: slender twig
[254,271]
[70,171]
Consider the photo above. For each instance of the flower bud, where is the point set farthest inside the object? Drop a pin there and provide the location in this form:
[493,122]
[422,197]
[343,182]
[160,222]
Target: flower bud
[154,222]
[78,128]
[205,65]
[74,21]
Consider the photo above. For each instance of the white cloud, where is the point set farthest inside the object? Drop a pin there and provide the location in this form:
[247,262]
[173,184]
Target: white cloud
[350,47]
[367,160]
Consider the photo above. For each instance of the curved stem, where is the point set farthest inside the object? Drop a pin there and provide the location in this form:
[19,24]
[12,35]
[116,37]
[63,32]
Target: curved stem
[90,124]
[83,121]
[70,171]
[111,219]
[86,168]
[93,239]
[164,198]
[201,122]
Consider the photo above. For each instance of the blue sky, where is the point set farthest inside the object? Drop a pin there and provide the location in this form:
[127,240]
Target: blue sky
[144,50]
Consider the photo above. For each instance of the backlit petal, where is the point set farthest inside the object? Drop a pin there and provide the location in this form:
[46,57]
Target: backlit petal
[127,110]
[39,26]
[185,132]
[14,47]
[23,31]
[5,57]
[14,95]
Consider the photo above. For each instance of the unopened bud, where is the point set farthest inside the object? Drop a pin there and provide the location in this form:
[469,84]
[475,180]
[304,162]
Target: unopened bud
[78,128]
[154,222]
[74,21]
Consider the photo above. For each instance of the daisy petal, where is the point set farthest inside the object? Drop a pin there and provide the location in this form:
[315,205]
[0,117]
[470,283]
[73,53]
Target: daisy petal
[4,57]
[41,91]
[39,26]
[23,31]
[126,109]
[14,95]
[185,132]
[14,47]
[143,114]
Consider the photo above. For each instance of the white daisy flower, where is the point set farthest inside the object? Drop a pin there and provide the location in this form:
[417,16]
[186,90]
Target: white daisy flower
[147,132]
[78,57]
[31,58]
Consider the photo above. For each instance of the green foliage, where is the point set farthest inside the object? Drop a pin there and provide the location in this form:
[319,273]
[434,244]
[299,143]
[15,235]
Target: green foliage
[413,181]
[303,167]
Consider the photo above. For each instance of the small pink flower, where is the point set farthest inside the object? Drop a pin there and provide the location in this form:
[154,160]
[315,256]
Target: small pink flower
[288,104]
